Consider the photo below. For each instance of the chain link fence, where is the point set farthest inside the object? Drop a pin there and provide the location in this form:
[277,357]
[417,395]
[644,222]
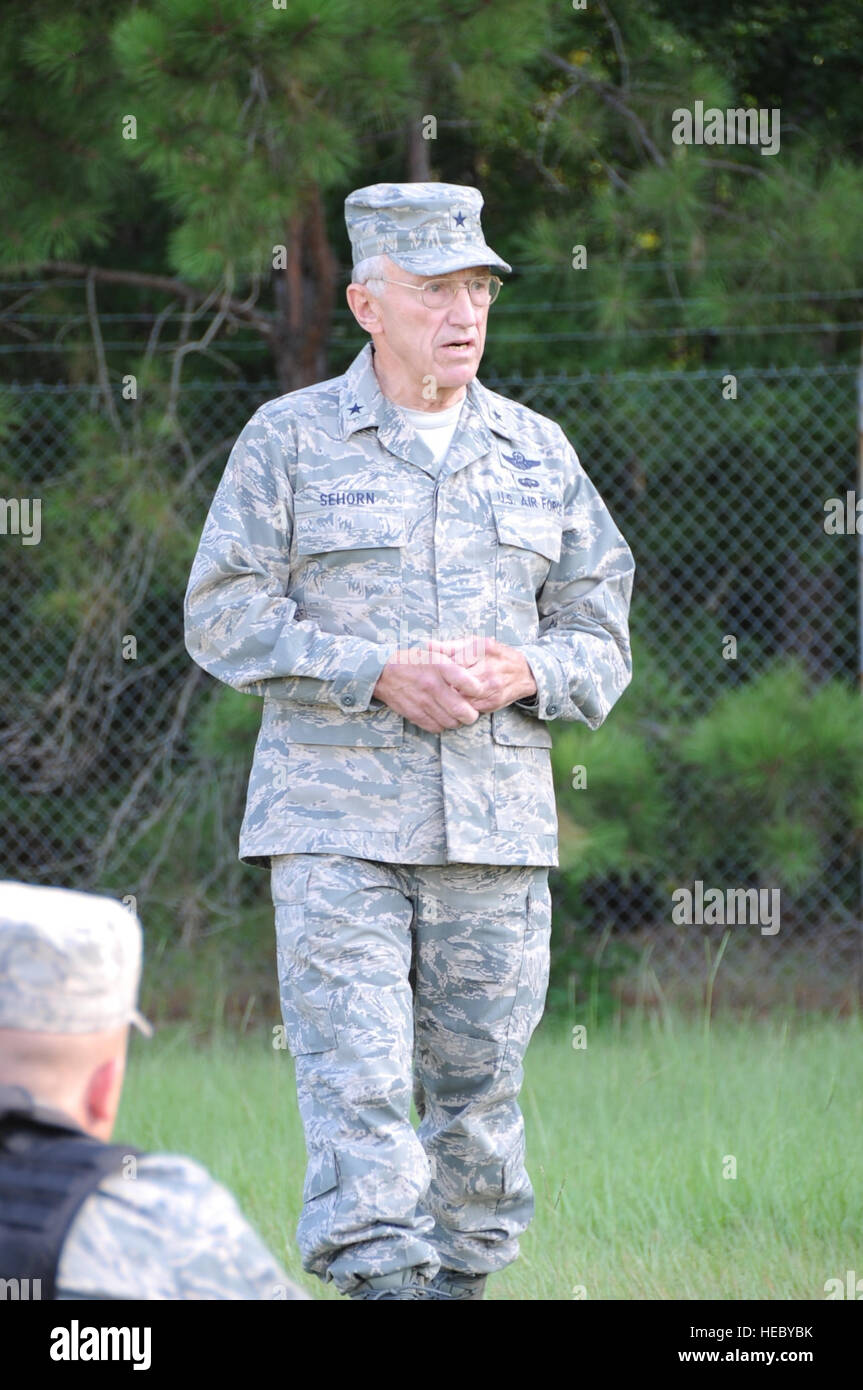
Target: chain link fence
[732,761]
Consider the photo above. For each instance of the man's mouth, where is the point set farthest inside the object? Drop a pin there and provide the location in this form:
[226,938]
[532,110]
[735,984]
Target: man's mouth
[459,345]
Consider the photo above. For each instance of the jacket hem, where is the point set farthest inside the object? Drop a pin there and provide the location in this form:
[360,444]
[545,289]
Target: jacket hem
[541,851]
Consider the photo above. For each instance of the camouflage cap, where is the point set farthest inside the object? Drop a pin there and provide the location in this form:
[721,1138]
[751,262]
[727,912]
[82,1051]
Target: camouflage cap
[69,962]
[426,228]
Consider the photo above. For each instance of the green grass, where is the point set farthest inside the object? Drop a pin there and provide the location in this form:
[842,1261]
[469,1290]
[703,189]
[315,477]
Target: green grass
[626,1143]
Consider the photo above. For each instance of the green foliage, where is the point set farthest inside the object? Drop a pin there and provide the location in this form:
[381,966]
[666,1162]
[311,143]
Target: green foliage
[778,764]
[226,726]
[617,821]
[585,968]
[563,119]
[59,167]
[246,113]
[766,786]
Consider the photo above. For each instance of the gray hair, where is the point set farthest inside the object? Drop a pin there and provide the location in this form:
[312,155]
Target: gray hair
[372,272]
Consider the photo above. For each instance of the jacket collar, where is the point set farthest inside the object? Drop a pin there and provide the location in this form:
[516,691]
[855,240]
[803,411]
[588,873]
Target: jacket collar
[363,404]
[16,1100]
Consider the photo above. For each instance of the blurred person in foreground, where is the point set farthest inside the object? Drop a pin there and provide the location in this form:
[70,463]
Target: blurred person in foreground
[81,1218]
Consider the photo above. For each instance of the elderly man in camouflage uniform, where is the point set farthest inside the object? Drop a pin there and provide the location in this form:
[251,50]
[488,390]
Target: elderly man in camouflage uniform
[417,576]
[81,1218]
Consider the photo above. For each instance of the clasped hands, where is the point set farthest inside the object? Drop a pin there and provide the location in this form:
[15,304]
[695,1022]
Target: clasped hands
[442,685]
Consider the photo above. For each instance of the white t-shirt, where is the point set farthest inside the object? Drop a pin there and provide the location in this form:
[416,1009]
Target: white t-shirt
[437,426]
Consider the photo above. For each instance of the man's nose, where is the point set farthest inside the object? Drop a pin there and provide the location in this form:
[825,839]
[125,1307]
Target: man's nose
[461,302]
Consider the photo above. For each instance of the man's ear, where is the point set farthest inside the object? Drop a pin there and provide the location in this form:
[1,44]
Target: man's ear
[100,1099]
[363,307]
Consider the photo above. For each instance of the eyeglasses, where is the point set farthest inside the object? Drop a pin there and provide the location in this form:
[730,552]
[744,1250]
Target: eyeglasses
[439,294]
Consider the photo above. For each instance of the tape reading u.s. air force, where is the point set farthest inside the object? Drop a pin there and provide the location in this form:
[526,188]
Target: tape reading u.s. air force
[346,499]
[536,501]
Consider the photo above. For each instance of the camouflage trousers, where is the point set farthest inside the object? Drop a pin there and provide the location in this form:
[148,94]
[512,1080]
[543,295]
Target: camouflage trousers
[398,982]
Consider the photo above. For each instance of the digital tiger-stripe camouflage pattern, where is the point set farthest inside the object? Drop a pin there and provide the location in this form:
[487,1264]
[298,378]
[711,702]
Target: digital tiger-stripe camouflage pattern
[332,540]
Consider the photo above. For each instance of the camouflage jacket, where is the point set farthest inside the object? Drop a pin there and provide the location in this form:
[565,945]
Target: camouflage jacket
[334,538]
[167,1230]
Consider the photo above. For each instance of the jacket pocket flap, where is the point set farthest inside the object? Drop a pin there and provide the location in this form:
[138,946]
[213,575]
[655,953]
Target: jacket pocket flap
[512,726]
[355,519]
[540,531]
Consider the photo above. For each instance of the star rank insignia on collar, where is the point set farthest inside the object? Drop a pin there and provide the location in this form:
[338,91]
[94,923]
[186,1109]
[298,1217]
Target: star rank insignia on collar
[459,219]
[354,410]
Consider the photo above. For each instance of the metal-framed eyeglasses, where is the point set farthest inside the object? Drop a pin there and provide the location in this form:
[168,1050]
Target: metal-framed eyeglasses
[440,294]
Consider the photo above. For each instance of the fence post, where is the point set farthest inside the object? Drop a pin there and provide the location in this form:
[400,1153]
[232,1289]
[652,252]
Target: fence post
[857,527]
[857,518]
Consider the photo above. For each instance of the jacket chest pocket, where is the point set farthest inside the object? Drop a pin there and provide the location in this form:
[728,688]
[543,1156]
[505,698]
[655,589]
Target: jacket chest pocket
[528,543]
[530,523]
[349,543]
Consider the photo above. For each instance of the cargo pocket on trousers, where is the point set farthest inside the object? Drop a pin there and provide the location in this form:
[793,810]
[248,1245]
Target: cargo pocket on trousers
[322,1174]
[534,973]
[302,989]
[517,1199]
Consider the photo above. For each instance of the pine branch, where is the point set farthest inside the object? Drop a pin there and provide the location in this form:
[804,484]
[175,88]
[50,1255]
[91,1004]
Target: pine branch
[611,97]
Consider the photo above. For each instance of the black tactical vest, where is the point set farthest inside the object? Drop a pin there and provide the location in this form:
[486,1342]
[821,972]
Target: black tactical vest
[48,1167]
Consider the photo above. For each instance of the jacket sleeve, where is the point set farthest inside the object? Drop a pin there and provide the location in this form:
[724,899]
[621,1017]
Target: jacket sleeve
[240,626]
[582,661]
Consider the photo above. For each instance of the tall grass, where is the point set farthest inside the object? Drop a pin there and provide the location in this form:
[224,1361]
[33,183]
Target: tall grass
[628,1140]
